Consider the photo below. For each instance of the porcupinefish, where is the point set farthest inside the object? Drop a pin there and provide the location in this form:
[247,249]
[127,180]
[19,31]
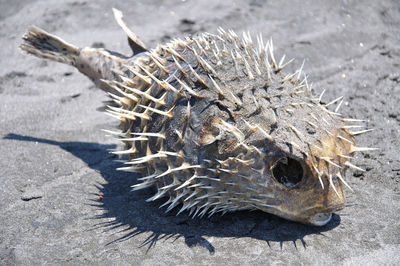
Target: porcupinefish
[215,125]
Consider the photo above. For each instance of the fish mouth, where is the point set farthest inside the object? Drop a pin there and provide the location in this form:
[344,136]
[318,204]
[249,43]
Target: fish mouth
[320,219]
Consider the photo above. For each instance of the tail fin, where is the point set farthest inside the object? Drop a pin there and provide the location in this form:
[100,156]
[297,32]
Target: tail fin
[39,43]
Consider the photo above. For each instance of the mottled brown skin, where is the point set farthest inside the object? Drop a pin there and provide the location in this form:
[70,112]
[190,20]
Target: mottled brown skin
[214,123]
[311,193]
[98,64]
[308,193]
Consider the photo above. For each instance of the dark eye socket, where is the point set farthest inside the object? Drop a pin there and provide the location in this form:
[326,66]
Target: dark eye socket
[287,171]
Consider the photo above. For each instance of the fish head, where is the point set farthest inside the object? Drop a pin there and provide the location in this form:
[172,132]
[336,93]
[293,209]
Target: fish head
[304,188]
[294,173]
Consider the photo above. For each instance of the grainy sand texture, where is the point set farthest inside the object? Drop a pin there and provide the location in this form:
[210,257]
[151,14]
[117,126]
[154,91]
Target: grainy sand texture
[54,159]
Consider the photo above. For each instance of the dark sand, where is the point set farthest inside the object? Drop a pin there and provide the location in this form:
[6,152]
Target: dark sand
[54,160]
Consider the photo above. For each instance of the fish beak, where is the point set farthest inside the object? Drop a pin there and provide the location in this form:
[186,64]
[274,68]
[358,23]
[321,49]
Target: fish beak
[320,219]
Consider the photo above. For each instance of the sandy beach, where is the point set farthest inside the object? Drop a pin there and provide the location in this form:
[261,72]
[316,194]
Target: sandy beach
[63,202]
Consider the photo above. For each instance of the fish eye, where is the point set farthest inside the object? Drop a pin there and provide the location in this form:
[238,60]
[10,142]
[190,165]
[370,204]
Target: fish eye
[287,171]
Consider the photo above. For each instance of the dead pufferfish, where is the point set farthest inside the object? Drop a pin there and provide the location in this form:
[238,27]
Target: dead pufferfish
[215,125]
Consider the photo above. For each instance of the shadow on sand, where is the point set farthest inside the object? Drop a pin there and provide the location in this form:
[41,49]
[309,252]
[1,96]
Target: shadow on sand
[133,215]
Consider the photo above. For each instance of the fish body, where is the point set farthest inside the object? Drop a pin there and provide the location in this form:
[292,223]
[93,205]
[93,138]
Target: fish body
[215,125]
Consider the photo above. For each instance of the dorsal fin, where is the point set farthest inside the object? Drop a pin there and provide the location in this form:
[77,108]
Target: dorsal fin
[136,44]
